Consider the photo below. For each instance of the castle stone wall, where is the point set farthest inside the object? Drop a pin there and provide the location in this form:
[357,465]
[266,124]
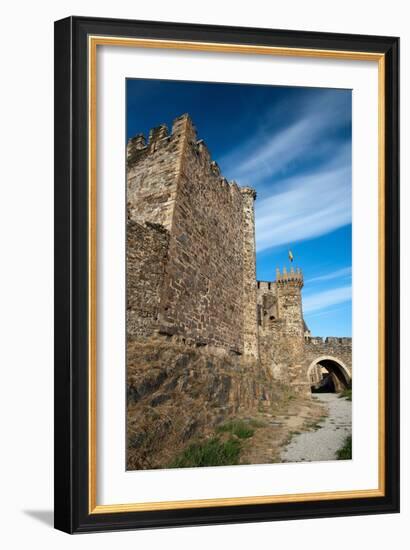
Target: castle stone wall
[210,263]
[152,175]
[289,298]
[339,349]
[203,298]
[251,344]
[281,328]
[147,249]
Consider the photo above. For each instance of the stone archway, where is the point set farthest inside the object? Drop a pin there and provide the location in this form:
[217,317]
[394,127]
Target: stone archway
[328,374]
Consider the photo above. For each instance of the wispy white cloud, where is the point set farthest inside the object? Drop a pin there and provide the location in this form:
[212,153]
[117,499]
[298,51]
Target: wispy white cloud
[272,150]
[338,274]
[327,298]
[327,312]
[315,200]
[305,207]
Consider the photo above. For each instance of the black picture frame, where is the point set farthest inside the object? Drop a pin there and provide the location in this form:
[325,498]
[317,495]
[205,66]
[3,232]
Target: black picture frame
[71,493]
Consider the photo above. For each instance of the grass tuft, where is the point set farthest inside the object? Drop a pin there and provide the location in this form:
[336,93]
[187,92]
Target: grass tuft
[345,452]
[212,452]
[346,393]
[240,428]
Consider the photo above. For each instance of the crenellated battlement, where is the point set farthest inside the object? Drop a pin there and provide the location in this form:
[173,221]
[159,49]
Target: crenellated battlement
[266,286]
[160,141]
[293,277]
[248,191]
[328,340]
[159,137]
[158,133]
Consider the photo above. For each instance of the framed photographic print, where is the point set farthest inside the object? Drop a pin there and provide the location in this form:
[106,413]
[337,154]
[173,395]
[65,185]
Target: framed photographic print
[226,274]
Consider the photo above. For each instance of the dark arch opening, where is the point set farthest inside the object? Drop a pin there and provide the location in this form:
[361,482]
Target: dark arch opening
[330,377]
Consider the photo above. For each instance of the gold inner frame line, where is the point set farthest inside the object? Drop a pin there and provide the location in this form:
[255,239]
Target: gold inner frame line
[93,42]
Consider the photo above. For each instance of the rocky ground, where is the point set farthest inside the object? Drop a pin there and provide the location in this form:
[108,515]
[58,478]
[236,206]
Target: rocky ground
[177,395]
[329,435]
[188,407]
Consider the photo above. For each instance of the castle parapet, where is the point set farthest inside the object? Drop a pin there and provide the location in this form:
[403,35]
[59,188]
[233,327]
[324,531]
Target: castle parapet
[265,286]
[158,133]
[203,152]
[134,146]
[183,125]
[159,137]
[248,191]
[329,340]
[294,277]
[335,340]
[216,171]
[315,340]
[164,144]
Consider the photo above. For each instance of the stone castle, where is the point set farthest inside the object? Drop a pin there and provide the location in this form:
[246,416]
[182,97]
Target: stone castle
[191,267]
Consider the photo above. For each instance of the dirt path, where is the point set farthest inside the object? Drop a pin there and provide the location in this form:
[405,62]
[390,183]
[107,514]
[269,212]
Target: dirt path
[328,437]
[277,428]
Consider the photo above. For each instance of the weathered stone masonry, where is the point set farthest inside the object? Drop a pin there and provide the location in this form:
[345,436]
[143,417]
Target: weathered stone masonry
[209,274]
[285,344]
[191,268]
[281,326]
[147,252]
[250,326]
[319,352]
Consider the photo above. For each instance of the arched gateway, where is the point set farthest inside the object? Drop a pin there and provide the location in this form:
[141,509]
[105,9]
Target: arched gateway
[328,374]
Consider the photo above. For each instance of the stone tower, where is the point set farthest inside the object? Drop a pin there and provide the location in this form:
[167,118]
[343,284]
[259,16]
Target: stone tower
[191,245]
[289,296]
[289,300]
[251,345]
[281,327]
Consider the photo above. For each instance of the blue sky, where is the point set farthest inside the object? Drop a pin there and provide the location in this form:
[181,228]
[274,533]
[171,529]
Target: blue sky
[293,145]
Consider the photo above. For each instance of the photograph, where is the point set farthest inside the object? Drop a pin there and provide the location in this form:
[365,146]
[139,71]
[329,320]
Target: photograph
[227,254]
[205,295]
[238,274]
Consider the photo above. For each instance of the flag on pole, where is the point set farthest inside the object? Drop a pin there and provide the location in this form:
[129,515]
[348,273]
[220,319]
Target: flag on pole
[290,255]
